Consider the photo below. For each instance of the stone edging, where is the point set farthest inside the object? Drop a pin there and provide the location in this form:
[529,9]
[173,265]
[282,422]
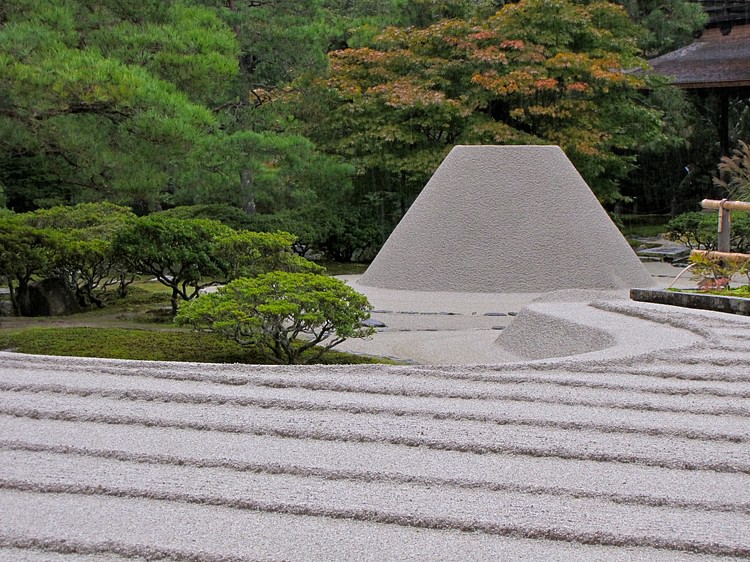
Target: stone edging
[717,303]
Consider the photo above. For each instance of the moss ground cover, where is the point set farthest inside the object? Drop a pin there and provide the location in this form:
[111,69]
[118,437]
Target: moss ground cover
[136,327]
[742,292]
[152,345]
[122,343]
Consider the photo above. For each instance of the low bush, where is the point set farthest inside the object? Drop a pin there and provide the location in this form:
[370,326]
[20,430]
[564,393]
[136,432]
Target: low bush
[285,315]
[700,231]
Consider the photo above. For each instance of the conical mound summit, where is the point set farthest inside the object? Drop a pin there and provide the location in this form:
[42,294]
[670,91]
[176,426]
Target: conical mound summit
[506,219]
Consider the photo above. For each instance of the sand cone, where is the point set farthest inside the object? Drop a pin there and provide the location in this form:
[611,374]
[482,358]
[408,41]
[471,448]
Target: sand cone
[506,219]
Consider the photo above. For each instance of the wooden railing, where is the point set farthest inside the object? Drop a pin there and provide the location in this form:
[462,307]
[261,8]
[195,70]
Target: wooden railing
[724,207]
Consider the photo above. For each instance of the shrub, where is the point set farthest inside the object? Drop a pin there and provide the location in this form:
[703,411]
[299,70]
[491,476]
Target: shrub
[284,314]
[700,230]
[179,253]
[225,214]
[716,273]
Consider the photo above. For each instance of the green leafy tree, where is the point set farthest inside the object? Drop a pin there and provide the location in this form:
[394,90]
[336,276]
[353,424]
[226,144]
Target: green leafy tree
[538,72]
[229,215]
[351,235]
[423,13]
[668,24]
[282,314]
[188,255]
[278,39]
[180,254]
[285,171]
[145,104]
[80,247]
[343,232]
[105,103]
[700,231]
[247,254]
[100,219]
[84,263]
[24,253]
[358,21]
[306,223]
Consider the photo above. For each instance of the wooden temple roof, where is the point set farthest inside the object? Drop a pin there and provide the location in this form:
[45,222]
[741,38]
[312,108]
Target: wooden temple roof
[714,60]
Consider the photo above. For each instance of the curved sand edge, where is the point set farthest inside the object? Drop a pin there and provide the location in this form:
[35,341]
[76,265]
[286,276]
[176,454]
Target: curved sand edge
[452,328]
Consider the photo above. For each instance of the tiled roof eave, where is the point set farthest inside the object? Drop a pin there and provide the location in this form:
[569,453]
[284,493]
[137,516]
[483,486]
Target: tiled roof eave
[723,84]
[713,61]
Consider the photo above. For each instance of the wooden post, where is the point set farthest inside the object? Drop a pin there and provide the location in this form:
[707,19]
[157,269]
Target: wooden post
[731,205]
[725,228]
[721,255]
[725,221]
[724,122]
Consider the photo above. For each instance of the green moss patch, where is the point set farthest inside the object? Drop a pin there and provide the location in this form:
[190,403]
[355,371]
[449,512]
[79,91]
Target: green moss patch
[741,292]
[150,345]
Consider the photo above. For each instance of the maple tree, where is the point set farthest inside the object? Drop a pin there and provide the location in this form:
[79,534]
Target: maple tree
[538,72]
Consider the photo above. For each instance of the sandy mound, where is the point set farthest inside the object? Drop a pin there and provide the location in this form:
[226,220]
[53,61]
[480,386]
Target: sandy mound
[506,219]
[535,335]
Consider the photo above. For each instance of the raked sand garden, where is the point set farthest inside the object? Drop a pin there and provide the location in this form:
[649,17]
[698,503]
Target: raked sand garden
[634,455]
[533,423]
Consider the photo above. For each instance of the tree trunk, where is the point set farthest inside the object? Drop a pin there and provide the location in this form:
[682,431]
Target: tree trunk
[175,294]
[246,189]
[13,300]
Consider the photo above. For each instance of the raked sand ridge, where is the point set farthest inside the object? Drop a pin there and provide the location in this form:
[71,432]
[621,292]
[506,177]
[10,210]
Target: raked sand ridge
[636,456]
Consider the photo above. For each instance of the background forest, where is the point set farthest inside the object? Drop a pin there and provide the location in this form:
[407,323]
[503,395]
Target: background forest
[325,118]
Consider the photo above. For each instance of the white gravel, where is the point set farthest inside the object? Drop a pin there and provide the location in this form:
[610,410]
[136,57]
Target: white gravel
[446,327]
[639,450]
[589,427]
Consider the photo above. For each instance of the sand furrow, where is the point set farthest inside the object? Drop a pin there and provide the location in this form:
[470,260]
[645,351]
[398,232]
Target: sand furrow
[197,530]
[459,386]
[476,382]
[718,423]
[467,436]
[667,367]
[458,480]
[641,369]
[653,375]
[700,322]
[720,356]
[505,513]
[727,399]
[20,549]
[378,461]
[570,533]
[50,550]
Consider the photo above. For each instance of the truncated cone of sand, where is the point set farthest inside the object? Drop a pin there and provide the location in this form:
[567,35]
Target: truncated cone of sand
[506,219]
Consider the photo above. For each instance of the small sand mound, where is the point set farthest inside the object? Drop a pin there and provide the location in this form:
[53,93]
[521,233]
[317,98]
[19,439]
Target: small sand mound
[535,335]
[506,219]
